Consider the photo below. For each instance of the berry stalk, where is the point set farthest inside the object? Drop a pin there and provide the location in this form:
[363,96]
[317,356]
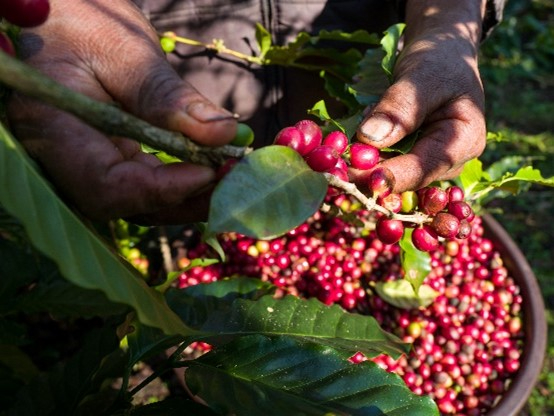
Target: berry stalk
[371,203]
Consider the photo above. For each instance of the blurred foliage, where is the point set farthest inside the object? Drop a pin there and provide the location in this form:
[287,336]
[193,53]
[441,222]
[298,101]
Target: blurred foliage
[517,66]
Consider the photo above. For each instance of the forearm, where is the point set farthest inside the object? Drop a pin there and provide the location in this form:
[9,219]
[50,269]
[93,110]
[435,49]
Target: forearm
[461,20]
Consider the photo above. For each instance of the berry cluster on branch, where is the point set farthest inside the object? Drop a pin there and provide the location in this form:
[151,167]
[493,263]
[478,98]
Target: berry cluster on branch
[433,212]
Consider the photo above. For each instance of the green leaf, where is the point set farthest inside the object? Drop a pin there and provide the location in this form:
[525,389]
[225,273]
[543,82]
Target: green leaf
[12,332]
[19,267]
[309,320]
[20,363]
[263,38]
[370,81]
[472,175]
[60,391]
[81,256]
[267,193]
[401,294]
[415,263]
[284,376]
[64,299]
[145,341]
[389,43]
[358,36]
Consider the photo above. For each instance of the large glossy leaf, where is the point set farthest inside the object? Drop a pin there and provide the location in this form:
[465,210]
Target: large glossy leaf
[304,319]
[267,193]
[145,341]
[257,375]
[81,256]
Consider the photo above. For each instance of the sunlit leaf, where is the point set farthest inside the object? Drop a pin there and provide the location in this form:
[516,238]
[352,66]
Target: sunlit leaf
[309,320]
[415,263]
[267,193]
[285,376]
[401,294]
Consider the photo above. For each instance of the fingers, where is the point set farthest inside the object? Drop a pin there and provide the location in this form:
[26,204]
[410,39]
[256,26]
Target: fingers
[113,48]
[399,112]
[455,135]
[111,178]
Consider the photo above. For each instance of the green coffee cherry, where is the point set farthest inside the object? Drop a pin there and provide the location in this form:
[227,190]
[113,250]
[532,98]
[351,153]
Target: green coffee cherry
[244,136]
[167,44]
[409,201]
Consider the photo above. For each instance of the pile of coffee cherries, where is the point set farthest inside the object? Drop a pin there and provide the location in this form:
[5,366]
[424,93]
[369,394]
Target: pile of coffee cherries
[22,13]
[449,216]
[466,345]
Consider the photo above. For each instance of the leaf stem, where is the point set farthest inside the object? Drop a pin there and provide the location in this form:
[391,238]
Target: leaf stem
[108,118]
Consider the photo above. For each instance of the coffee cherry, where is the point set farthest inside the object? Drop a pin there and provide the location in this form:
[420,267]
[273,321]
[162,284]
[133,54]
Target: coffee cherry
[389,231]
[25,13]
[363,156]
[455,193]
[409,201]
[433,201]
[338,140]
[312,134]
[291,137]
[464,230]
[167,44]
[381,182]
[339,173]
[446,225]
[322,158]
[460,209]
[425,238]
[392,202]
[6,44]
[244,136]
[225,168]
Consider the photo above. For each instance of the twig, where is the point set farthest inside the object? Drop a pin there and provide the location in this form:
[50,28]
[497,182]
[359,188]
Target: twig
[371,204]
[217,45]
[108,118]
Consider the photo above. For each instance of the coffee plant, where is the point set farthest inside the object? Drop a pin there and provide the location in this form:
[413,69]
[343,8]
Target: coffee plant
[306,295]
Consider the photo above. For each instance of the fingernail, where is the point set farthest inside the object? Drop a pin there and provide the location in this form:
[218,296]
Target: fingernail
[377,127]
[207,112]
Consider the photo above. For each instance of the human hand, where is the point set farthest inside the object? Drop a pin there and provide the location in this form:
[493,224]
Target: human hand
[436,89]
[108,51]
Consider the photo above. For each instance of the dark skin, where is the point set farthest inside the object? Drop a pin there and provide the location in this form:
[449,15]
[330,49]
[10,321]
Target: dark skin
[110,52]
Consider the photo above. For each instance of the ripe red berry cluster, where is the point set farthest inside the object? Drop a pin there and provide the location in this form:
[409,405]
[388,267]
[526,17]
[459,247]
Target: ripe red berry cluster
[330,153]
[450,216]
[466,344]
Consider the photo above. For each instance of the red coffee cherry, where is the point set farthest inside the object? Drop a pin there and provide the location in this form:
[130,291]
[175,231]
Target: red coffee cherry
[389,231]
[363,156]
[291,137]
[433,201]
[338,140]
[322,158]
[425,238]
[381,182]
[446,225]
[312,134]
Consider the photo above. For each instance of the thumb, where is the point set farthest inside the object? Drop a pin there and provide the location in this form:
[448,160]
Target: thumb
[132,68]
[399,113]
